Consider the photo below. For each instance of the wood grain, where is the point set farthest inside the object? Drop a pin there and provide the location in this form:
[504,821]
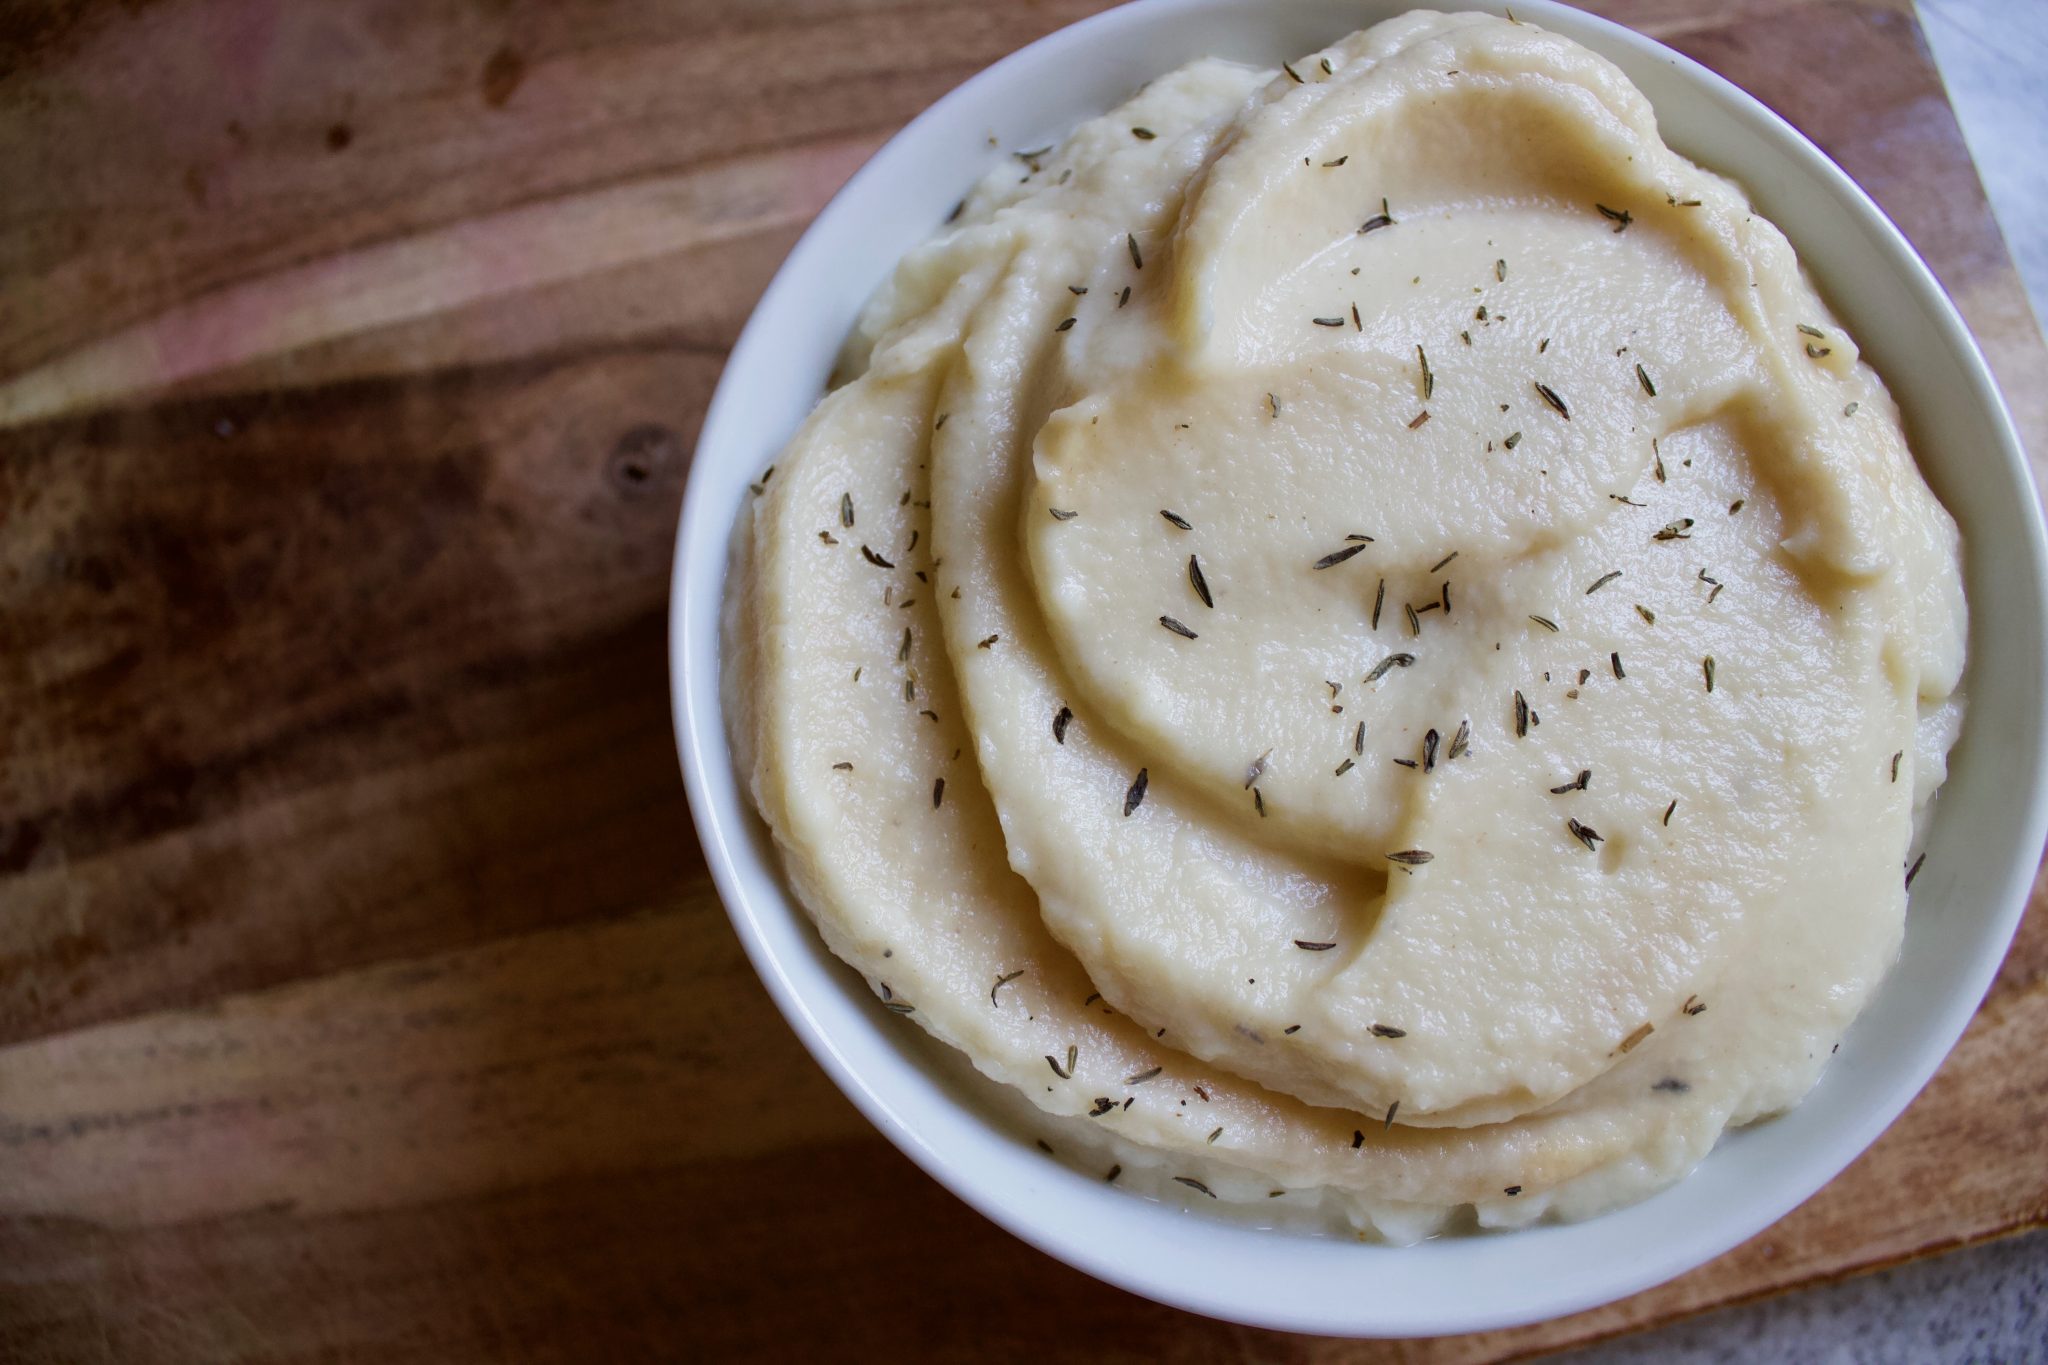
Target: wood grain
[362,992]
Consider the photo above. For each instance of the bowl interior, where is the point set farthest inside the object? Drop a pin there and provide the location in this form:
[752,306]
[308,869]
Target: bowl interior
[1983,844]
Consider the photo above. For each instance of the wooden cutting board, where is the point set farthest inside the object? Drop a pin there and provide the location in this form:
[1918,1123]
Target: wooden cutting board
[362,993]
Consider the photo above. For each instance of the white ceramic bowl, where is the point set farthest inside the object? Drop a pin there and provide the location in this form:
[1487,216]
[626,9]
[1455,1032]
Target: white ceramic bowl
[1986,834]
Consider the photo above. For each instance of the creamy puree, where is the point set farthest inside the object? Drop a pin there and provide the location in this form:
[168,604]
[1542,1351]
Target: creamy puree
[1358,635]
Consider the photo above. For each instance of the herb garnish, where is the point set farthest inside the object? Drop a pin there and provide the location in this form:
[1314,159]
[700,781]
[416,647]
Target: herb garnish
[1577,784]
[1201,584]
[1669,809]
[987,641]
[1189,1180]
[1411,857]
[1649,617]
[1615,659]
[1585,834]
[1438,566]
[1328,322]
[1062,514]
[938,792]
[1603,580]
[1514,438]
[1177,628]
[871,557]
[1895,764]
[1379,220]
[1137,258]
[1672,1084]
[1428,375]
[1310,947]
[1388,1031]
[1379,600]
[1418,419]
[846,510]
[1550,397]
[1135,797]
[1256,770]
[1642,1031]
[1065,324]
[1643,378]
[1060,723]
[1707,667]
[1460,742]
[1914,870]
[1336,557]
[1676,530]
[1521,716]
[1143,134]
[1177,519]
[1545,622]
[1621,218]
[1144,1076]
[1392,661]
[1002,981]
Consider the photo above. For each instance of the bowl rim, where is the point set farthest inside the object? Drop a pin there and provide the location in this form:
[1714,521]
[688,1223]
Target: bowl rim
[704,750]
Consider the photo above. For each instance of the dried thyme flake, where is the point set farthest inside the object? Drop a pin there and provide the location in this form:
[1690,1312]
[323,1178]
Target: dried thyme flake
[1500,271]
[1430,741]
[1199,583]
[1066,324]
[1438,566]
[987,641]
[1144,1076]
[1550,397]
[846,510]
[1062,514]
[1461,742]
[1895,764]
[1177,628]
[1428,375]
[1643,378]
[871,557]
[1545,622]
[1669,809]
[1914,870]
[1577,784]
[1642,1031]
[1143,134]
[1309,946]
[1672,1085]
[1621,218]
[1328,322]
[842,767]
[1135,795]
[938,792]
[1615,660]
[1344,767]
[1521,716]
[1411,857]
[1336,557]
[1585,834]
[1177,519]
[1649,617]
[1189,1180]
[1603,580]
[1418,419]
[1392,661]
[1388,1031]
[1256,770]
[1513,439]
[1707,668]
[1060,721]
[1005,979]
[1675,530]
